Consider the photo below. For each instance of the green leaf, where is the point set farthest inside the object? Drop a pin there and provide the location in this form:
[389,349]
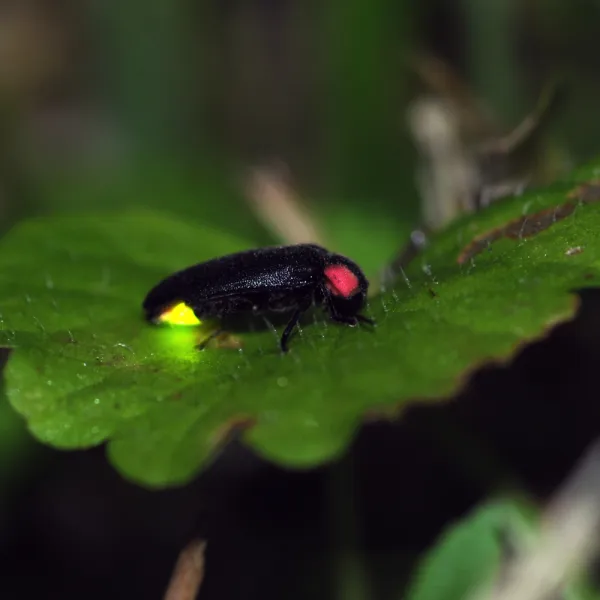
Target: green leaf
[87,368]
[467,556]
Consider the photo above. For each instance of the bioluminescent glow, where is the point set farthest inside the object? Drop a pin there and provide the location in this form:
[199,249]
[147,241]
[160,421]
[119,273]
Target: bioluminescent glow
[180,314]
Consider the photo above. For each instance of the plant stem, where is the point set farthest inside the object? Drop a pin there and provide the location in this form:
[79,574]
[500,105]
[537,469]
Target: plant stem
[491,62]
[349,568]
[146,65]
[364,44]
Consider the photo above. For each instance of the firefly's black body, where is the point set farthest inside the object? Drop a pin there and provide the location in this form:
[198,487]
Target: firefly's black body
[277,279]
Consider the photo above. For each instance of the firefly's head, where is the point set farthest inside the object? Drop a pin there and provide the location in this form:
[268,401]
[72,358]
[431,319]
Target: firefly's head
[345,286]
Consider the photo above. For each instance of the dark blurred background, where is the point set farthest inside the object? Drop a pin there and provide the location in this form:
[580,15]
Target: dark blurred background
[167,104]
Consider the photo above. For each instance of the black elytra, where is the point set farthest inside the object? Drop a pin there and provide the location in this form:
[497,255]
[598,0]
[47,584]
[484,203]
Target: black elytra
[266,280]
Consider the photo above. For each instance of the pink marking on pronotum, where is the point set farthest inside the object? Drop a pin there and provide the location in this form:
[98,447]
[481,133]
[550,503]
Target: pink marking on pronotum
[341,281]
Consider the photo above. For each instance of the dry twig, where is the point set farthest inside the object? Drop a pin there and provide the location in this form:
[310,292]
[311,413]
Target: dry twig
[188,573]
[277,205]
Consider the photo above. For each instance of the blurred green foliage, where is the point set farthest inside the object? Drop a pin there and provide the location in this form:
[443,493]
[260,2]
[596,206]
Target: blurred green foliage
[473,553]
[467,557]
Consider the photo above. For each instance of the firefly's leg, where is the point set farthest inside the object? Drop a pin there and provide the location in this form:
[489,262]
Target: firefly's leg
[202,345]
[363,319]
[352,321]
[289,328]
